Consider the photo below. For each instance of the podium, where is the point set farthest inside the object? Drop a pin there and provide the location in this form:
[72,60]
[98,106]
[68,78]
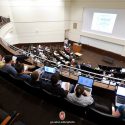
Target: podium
[77,47]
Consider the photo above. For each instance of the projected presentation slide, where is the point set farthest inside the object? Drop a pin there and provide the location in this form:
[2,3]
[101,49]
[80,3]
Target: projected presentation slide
[103,22]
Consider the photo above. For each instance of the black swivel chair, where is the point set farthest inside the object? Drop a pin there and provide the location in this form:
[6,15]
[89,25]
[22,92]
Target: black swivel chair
[25,85]
[49,95]
[101,118]
[35,90]
[53,98]
[5,75]
[75,108]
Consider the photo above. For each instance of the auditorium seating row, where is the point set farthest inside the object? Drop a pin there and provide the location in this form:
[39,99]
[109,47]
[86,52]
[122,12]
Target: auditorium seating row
[85,70]
[89,113]
[118,72]
[97,75]
[115,71]
[107,69]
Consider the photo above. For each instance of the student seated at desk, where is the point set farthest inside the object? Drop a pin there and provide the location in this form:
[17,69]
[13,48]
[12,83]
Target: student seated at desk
[47,72]
[78,65]
[55,87]
[42,55]
[66,42]
[33,67]
[119,112]
[80,96]
[35,76]
[21,73]
[88,64]
[73,62]
[8,67]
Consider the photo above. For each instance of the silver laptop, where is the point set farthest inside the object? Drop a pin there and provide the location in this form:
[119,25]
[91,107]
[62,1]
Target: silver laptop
[86,82]
[120,96]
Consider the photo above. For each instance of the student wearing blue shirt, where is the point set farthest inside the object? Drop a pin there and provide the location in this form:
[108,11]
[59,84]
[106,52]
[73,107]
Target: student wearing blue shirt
[8,68]
[21,73]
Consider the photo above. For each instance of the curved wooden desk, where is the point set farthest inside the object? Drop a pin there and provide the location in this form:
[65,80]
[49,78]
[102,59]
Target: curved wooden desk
[64,73]
[97,84]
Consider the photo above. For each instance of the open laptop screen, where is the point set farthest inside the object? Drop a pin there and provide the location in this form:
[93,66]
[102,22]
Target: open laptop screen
[123,70]
[49,69]
[85,81]
[120,91]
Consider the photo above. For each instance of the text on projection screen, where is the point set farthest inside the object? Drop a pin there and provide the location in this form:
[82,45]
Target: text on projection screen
[103,22]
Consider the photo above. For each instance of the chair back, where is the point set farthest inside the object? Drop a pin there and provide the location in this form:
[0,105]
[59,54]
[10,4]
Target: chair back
[51,97]
[75,108]
[5,75]
[101,118]
[32,89]
[50,94]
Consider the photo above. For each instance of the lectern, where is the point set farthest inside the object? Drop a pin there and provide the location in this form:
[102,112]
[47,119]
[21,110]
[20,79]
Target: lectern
[77,47]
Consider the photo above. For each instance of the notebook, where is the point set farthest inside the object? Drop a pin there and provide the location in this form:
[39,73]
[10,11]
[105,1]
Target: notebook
[120,96]
[86,82]
[49,69]
[65,85]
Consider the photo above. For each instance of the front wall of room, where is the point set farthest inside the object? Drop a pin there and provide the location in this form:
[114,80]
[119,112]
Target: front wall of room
[40,20]
[76,16]
[4,8]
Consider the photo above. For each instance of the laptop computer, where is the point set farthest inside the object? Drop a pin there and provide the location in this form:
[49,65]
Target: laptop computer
[86,82]
[120,96]
[123,70]
[14,59]
[49,69]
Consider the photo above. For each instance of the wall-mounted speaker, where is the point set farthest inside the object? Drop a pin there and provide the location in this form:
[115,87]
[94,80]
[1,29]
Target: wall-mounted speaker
[74,25]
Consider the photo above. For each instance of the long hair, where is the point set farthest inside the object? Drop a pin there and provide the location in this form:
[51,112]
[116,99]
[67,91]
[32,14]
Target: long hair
[79,90]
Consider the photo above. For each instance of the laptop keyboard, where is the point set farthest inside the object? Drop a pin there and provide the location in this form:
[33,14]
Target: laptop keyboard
[120,99]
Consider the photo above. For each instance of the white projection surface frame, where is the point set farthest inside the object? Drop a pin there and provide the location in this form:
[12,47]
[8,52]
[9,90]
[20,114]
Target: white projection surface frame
[118,30]
[103,22]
